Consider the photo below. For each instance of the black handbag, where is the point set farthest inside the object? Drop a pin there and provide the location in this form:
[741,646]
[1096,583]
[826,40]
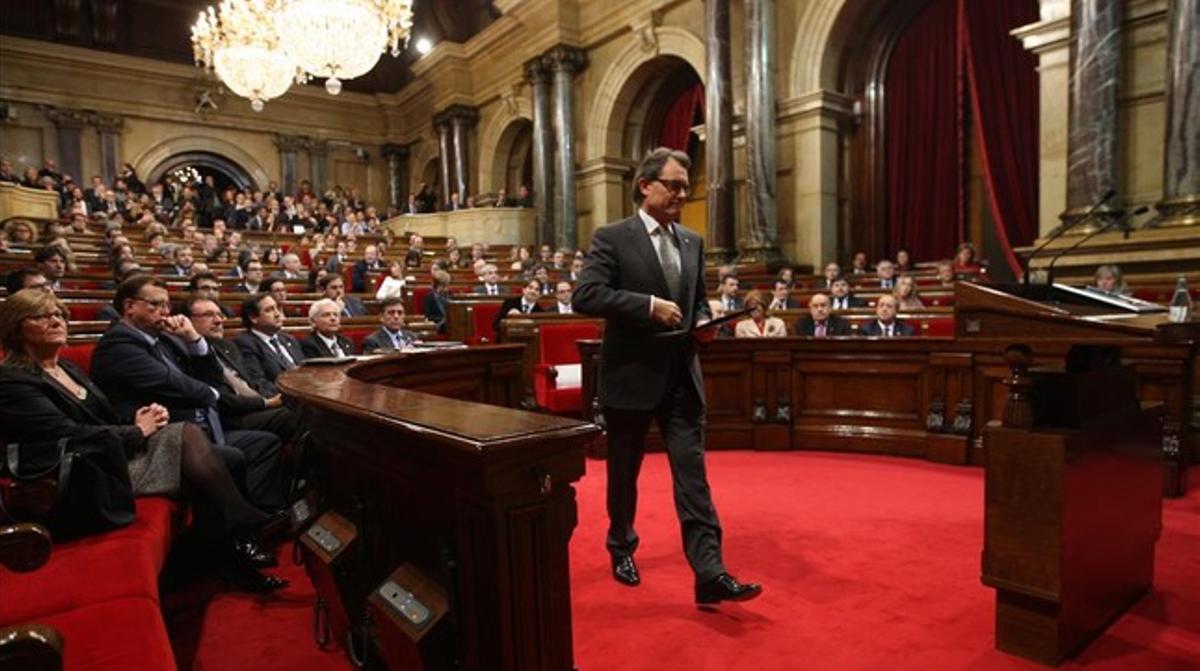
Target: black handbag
[88,478]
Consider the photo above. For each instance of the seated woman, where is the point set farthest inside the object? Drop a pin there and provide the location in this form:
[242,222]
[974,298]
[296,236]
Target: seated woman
[759,325]
[1109,278]
[434,305]
[43,398]
[966,263]
[393,283]
[906,293]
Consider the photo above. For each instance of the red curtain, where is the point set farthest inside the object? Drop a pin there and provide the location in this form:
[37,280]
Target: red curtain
[921,144]
[1004,98]
[955,49]
[677,126]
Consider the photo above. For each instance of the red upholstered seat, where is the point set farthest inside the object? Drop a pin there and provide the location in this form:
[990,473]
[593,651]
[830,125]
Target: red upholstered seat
[85,312]
[483,315]
[114,635]
[357,335]
[79,354]
[416,301]
[938,326]
[557,347]
[120,564]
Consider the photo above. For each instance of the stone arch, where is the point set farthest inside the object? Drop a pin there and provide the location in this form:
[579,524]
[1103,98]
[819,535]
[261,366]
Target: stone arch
[154,159]
[824,30]
[422,152]
[495,141]
[628,74]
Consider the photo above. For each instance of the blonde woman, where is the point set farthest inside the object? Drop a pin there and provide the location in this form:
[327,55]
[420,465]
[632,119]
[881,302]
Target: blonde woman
[906,293]
[759,325]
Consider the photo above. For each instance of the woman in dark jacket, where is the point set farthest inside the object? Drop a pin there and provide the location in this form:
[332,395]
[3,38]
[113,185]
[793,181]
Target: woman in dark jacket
[44,399]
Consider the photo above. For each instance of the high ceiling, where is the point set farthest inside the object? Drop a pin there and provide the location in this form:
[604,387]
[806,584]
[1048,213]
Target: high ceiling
[161,29]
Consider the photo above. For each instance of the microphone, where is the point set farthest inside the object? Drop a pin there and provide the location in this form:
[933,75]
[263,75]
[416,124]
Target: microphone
[1121,220]
[1054,235]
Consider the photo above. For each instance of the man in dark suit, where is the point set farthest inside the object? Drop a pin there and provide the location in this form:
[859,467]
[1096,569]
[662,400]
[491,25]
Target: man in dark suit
[391,335]
[491,279]
[820,323]
[524,197]
[885,270]
[885,324]
[728,293]
[242,406]
[150,357]
[326,341]
[266,349]
[841,296]
[334,288]
[645,276]
[524,304]
[369,263]
[781,297]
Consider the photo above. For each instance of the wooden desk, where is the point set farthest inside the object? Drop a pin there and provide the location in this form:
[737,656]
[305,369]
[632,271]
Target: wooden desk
[478,496]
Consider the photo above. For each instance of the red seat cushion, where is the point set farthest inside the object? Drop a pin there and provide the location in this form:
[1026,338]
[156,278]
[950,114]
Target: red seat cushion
[357,335]
[484,317]
[557,345]
[939,326]
[79,354]
[121,563]
[114,635]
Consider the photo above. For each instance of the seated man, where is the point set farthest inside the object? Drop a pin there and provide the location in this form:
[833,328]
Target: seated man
[490,279]
[832,272]
[267,350]
[326,341]
[334,288]
[207,286]
[184,259]
[416,244]
[781,297]
[25,278]
[52,261]
[524,304]
[252,277]
[727,291]
[369,263]
[885,270]
[290,268]
[392,335]
[820,323]
[842,299]
[434,304]
[562,298]
[885,324]
[241,405]
[152,357]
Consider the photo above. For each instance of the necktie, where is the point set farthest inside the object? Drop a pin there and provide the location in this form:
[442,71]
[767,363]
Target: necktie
[491,289]
[284,359]
[887,330]
[206,416]
[336,349]
[820,330]
[525,308]
[234,380]
[397,341]
[668,258]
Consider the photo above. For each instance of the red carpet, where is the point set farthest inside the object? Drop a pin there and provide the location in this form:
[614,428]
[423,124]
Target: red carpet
[867,562]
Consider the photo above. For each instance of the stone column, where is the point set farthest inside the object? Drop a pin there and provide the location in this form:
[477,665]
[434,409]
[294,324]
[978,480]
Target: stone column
[537,72]
[109,128]
[318,151]
[718,129]
[762,244]
[289,147]
[1092,161]
[442,124]
[565,62]
[67,126]
[397,163]
[1181,147]
[462,118]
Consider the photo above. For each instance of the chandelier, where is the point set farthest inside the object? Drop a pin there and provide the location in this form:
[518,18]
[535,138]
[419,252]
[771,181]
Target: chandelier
[239,42]
[341,39]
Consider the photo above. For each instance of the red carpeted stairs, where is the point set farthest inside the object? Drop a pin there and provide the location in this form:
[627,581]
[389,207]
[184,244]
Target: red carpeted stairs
[867,562]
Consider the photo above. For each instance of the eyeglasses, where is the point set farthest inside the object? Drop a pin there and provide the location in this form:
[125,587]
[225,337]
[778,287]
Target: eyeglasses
[157,305]
[211,314]
[47,316]
[674,186]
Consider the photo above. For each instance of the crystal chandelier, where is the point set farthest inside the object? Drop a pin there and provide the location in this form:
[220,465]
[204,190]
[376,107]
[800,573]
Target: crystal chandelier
[239,42]
[342,39]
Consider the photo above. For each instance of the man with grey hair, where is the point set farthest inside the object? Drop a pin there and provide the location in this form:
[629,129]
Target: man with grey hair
[645,276]
[290,268]
[490,279]
[326,341]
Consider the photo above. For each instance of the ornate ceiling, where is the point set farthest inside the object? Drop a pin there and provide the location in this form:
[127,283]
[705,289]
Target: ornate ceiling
[161,29]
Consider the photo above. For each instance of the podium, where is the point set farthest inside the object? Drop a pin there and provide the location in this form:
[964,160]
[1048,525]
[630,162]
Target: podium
[1073,472]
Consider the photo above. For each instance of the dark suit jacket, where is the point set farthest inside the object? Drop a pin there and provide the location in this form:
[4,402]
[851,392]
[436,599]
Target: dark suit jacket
[230,402]
[855,301]
[510,303]
[314,348]
[899,329]
[262,364]
[379,340]
[834,326]
[353,306]
[132,375]
[481,290]
[620,274]
[358,276]
[34,409]
[434,309]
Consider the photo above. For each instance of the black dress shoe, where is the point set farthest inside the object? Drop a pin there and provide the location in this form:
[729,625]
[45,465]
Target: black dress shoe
[625,571]
[247,579]
[726,588]
[249,552]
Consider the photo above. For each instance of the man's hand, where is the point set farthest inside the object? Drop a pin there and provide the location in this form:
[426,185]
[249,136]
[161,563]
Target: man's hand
[275,401]
[665,312]
[181,326]
[514,311]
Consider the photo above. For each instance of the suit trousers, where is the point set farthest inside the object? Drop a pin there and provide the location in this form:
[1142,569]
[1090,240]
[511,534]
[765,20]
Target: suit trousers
[254,461]
[680,417]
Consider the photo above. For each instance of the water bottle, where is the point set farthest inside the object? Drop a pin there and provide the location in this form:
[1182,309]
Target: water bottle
[1181,302]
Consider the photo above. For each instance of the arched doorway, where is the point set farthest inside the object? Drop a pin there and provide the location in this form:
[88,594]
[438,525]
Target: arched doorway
[225,172]
[431,175]
[512,164]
